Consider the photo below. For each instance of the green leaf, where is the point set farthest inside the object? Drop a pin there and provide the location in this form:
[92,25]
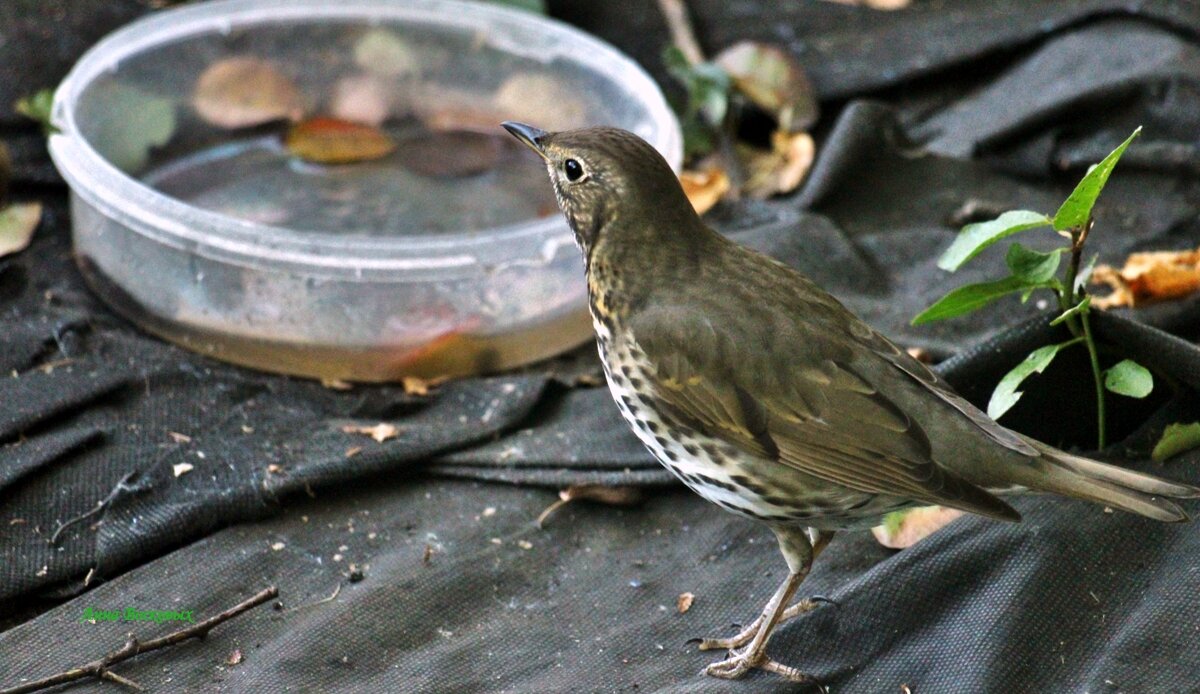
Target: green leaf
[708,88]
[972,297]
[1129,378]
[1032,266]
[1006,394]
[1081,307]
[1077,209]
[1176,439]
[37,107]
[975,237]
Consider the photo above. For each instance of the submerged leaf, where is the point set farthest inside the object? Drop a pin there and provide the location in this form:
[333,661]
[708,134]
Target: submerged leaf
[1077,209]
[1129,378]
[242,91]
[1176,439]
[333,141]
[1006,394]
[17,224]
[130,122]
[975,237]
[773,80]
[383,53]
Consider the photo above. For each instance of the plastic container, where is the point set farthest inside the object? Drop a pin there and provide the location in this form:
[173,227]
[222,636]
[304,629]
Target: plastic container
[446,257]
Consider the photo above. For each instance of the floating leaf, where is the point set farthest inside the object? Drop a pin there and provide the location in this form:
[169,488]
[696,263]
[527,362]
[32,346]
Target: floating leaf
[383,53]
[1032,266]
[975,237]
[1176,439]
[543,98]
[1081,307]
[782,168]
[1006,394]
[704,188]
[1077,209]
[362,99]
[333,141]
[17,224]
[901,529]
[1129,378]
[972,297]
[773,80]
[1148,277]
[37,107]
[242,91]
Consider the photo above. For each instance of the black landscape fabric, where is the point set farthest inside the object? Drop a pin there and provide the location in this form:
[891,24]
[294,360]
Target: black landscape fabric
[927,110]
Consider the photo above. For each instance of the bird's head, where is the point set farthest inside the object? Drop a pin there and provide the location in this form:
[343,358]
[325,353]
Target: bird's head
[605,176]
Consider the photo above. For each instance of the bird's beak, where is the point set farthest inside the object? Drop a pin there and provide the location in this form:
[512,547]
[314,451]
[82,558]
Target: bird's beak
[531,136]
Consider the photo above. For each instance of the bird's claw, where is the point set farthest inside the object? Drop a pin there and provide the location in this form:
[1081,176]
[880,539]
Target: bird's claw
[740,662]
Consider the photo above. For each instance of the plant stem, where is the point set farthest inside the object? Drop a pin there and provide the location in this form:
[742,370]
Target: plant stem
[1091,347]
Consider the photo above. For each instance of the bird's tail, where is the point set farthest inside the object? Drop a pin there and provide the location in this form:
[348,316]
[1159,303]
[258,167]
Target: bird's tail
[1091,480]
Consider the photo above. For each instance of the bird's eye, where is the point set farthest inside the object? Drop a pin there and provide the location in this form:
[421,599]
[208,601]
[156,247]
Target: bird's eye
[573,169]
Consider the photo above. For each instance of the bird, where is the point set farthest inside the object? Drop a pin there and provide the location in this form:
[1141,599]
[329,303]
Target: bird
[766,396]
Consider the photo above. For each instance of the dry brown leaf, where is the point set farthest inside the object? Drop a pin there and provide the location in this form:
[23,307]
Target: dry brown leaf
[914,525]
[613,496]
[704,188]
[17,224]
[684,602]
[334,141]
[380,432]
[1148,277]
[773,80]
[779,170]
[242,91]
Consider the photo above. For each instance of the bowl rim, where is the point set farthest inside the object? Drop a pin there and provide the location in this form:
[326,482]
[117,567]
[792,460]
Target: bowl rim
[174,222]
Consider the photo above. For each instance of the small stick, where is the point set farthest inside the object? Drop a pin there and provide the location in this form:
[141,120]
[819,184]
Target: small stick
[682,34]
[99,668]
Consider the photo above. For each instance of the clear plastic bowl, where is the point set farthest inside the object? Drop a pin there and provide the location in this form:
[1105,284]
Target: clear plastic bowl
[447,257]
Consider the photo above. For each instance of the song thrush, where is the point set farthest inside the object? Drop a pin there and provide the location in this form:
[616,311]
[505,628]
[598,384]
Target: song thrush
[766,396]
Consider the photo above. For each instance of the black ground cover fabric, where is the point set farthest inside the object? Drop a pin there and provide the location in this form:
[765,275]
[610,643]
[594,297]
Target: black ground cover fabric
[927,111]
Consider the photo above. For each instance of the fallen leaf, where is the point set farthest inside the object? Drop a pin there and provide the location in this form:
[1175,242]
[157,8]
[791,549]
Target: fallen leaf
[684,602]
[380,432]
[234,658]
[1176,439]
[17,224]
[383,53]
[613,496]
[178,437]
[36,107]
[1148,277]
[704,188]
[774,80]
[334,141]
[780,169]
[902,529]
[420,386]
[240,92]
[182,468]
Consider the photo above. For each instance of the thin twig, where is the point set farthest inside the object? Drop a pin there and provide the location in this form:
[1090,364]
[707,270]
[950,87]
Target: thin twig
[99,668]
[682,34]
[122,486]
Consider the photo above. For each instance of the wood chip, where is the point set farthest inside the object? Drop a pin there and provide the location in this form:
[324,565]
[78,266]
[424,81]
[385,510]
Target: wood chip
[421,386]
[178,437]
[182,468]
[380,432]
[684,602]
[335,384]
[1149,277]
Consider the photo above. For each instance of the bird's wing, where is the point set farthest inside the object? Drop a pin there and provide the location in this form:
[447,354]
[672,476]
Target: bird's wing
[815,412]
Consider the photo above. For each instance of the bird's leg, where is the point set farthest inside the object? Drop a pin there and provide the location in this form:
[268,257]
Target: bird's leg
[797,548]
[819,540]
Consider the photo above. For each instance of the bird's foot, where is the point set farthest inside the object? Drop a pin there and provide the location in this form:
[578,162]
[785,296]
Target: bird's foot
[746,635]
[741,662]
